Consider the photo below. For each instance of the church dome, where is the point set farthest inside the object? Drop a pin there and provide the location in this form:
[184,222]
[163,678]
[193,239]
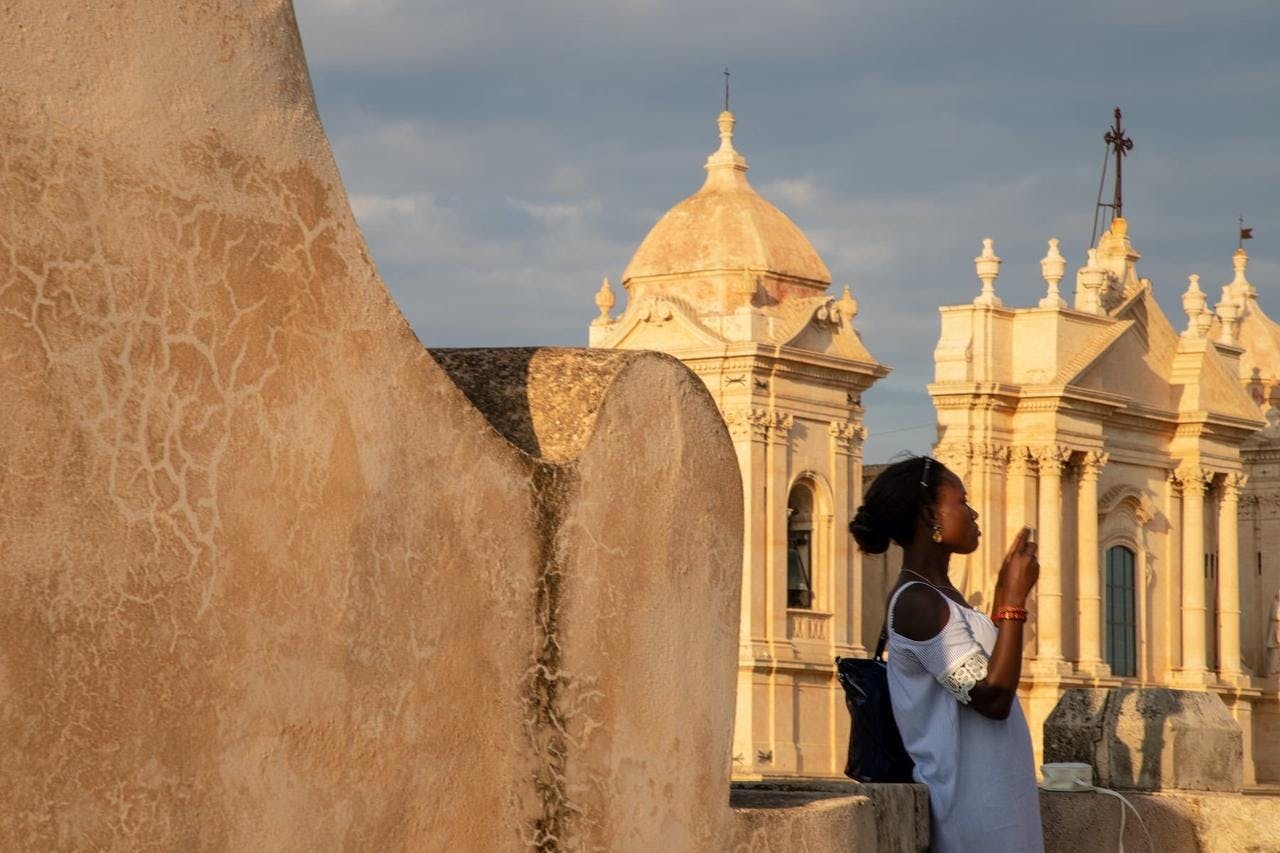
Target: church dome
[726,227]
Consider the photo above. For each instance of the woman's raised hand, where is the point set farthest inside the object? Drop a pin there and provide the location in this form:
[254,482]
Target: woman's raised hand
[1019,571]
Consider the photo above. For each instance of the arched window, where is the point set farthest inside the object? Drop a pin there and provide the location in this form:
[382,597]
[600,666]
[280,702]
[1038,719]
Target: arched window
[800,548]
[1122,629]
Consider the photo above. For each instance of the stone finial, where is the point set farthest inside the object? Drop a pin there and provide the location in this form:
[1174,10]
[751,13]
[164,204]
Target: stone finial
[1228,311]
[1089,281]
[848,306]
[605,301]
[726,161]
[1193,302]
[1241,288]
[987,266]
[1053,267]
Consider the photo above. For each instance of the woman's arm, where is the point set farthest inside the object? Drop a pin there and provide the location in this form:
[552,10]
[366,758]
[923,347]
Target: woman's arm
[994,696]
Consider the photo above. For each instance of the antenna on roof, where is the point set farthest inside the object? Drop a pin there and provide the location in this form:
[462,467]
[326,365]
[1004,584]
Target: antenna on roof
[726,88]
[1119,145]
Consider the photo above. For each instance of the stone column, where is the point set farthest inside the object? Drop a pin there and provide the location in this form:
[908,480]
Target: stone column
[1049,651]
[958,457]
[1088,575]
[749,430]
[1229,578]
[1194,480]
[990,461]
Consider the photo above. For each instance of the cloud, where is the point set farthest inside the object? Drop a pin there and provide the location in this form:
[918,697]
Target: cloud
[503,156]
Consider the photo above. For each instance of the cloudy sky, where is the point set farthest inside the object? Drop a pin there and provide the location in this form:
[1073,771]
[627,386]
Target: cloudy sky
[504,155]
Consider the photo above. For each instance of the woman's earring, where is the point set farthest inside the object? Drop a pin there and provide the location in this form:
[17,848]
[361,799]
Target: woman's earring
[937,533]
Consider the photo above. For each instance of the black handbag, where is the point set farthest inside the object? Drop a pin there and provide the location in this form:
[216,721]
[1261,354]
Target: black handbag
[876,753]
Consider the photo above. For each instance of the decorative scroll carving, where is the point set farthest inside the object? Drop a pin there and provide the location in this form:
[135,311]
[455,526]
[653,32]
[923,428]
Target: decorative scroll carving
[848,436]
[1193,478]
[1051,459]
[780,423]
[1021,462]
[955,455]
[1232,483]
[1092,463]
[748,423]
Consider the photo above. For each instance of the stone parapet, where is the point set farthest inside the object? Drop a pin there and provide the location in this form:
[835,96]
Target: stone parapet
[821,815]
[1177,822]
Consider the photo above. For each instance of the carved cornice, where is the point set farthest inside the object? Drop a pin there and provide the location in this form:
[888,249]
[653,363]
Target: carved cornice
[1044,404]
[856,377]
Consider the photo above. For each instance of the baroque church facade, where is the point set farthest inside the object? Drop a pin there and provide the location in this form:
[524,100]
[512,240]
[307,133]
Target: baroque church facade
[1124,440]
[726,283]
[1146,454]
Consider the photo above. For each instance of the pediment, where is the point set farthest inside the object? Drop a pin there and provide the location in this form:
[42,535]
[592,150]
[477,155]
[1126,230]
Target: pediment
[659,324]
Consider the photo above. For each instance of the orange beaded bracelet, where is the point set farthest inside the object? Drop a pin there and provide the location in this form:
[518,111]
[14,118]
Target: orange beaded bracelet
[1017,614]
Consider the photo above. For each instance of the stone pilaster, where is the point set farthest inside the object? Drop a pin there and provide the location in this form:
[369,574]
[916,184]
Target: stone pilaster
[1050,461]
[749,429]
[776,453]
[845,462]
[1089,576]
[1229,578]
[1020,503]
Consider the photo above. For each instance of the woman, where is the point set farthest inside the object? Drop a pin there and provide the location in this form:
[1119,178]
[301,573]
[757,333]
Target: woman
[953,672]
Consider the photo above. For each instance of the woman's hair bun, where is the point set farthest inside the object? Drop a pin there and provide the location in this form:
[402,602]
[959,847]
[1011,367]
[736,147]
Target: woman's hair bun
[871,536]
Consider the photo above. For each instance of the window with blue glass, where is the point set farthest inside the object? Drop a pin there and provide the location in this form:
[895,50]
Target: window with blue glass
[1122,627]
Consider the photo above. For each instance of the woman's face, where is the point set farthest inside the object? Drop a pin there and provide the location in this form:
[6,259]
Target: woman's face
[956,519]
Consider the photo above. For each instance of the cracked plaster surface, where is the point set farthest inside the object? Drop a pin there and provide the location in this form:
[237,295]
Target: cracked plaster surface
[268,579]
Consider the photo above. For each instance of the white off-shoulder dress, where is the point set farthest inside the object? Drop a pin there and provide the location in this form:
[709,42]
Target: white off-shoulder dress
[980,771]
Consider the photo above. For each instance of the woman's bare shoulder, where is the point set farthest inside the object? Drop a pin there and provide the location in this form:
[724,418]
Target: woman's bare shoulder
[920,613]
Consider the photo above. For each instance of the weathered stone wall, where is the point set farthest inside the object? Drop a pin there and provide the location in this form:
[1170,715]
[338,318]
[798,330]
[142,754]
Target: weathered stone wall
[268,579]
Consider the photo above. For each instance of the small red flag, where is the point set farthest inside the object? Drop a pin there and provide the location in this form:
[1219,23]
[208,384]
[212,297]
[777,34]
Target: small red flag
[1246,233]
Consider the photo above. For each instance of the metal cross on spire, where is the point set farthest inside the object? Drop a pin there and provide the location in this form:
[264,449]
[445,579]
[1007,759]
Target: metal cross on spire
[1121,145]
[726,88]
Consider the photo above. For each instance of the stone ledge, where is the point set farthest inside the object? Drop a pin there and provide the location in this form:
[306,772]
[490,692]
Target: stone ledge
[1179,822]
[818,815]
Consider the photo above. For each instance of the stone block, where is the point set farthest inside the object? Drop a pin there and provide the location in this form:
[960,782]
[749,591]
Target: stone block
[1149,738]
